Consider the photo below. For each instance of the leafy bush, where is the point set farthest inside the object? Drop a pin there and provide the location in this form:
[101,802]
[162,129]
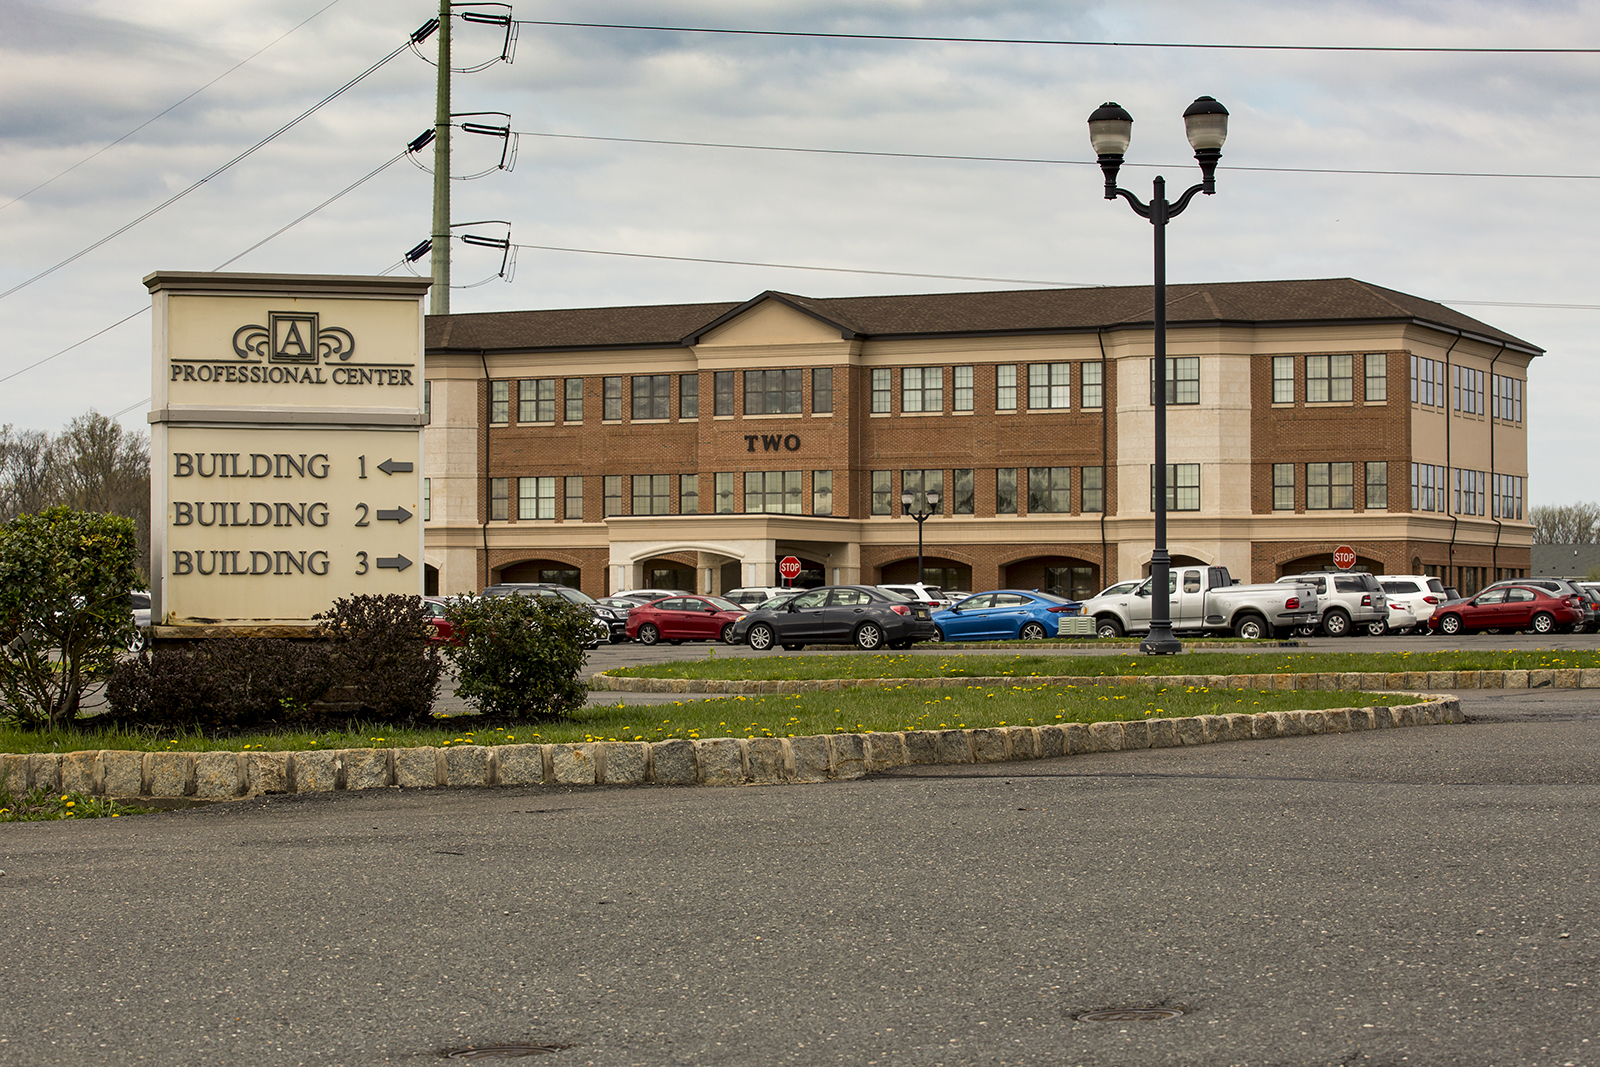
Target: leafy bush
[518,656]
[64,614]
[380,647]
[229,683]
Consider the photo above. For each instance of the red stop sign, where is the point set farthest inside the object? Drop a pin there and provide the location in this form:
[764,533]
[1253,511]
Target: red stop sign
[1344,557]
[789,567]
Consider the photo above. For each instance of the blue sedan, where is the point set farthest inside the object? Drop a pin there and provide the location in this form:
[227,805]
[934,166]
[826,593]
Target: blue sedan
[1004,615]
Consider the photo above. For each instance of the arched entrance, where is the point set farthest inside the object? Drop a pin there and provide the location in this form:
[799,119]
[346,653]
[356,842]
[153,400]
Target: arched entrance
[1178,560]
[540,570]
[1066,576]
[947,574]
[1323,561]
[663,572]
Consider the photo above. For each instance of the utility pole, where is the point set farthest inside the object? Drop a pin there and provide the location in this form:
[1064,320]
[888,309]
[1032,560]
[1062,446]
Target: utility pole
[439,303]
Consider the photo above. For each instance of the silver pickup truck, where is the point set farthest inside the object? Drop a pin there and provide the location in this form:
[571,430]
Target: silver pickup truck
[1205,599]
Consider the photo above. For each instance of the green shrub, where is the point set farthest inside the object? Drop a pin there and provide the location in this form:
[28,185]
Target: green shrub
[229,683]
[64,614]
[380,647]
[519,657]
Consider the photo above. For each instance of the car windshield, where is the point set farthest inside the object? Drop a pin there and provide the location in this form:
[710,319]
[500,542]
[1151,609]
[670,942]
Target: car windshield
[577,596]
[891,596]
[722,605]
[778,601]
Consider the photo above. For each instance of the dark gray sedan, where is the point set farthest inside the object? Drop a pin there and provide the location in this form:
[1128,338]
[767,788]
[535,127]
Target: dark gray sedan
[861,615]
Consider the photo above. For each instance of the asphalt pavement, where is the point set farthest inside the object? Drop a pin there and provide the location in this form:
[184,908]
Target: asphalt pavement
[1399,897]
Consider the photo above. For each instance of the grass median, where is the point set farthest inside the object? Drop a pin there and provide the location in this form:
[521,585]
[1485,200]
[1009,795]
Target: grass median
[839,711]
[1034,665]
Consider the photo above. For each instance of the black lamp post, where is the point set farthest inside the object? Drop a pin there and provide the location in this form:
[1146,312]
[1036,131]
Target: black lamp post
[1110,130]
[925,511]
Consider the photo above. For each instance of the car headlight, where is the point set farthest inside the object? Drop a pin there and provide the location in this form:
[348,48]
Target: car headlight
[605,613]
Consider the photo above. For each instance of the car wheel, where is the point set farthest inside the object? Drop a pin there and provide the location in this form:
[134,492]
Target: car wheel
[1107,628]
[727,633]
[1306,630]
[1544,623]
[1032,631]
[869,636]
[1450,624]
[139,641]
[938,633]
[760,637]
[1377,629]
[1251,628]
[1336,624]
[648,634]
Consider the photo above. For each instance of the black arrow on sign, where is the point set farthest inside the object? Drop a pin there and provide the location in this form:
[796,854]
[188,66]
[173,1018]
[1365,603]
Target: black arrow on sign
[389,466]
[399,515]
[394,563]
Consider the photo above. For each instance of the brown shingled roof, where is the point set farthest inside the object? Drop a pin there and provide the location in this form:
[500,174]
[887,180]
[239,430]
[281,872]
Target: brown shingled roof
[1006,311]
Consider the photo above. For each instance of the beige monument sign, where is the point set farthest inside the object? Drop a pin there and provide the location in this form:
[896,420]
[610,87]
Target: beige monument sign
[285,445]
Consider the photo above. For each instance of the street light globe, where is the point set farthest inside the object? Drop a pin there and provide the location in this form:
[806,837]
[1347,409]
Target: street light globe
[1110,129]
[933,498]
[905,500]
[1206,123]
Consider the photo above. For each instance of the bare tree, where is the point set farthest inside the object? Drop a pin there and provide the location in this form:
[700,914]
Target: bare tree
[28,481]
[1565,524]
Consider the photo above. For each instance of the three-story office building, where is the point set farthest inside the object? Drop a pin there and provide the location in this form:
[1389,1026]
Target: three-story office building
[694,446]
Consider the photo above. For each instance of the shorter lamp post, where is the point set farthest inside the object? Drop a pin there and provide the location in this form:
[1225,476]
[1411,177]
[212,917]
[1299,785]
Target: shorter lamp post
[927,510]
[1110,130]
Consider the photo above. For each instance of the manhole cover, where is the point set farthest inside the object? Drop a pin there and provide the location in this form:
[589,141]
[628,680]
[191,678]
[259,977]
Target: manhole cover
[1129,1015]
[498,1052]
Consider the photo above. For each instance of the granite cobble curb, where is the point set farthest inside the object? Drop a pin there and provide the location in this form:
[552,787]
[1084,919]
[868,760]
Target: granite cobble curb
[709,761]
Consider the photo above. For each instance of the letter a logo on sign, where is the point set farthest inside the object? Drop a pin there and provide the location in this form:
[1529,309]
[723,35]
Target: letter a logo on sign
[294,336]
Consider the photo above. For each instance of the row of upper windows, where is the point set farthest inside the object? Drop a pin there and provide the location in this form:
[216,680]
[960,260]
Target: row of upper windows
[1331,379]
[1474,492]
[1463,389]
[1330,486]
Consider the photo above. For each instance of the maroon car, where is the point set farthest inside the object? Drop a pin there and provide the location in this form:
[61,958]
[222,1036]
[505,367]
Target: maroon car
[676,619]
[1510,608]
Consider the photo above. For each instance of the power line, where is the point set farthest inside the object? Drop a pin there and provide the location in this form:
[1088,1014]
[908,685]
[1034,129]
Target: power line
[158,114]
[1038,159]
[286,127]
[803,266]
[1062,42]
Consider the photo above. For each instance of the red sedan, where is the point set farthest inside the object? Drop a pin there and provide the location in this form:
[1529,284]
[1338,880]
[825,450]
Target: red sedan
[1511,608]
[676,619]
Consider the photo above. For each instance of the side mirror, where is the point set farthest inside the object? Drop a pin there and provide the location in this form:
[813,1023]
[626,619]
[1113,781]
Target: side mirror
[1143,590]
[790,606]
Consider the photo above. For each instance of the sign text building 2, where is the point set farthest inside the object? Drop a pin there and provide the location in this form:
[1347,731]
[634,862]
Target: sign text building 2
[286,444]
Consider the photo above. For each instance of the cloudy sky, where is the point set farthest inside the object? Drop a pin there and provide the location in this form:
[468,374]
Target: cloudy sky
[80,74]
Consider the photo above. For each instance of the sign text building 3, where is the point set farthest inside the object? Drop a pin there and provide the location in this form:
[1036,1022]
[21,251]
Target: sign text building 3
[286,444]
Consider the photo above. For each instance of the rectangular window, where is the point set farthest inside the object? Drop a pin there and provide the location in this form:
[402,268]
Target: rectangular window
[882,391]
[652,396]
[652,494]
[1330,486]
[1283,379]
[611,400]
[574,400]
[427,401]
[499,499]
[961,394]
[1377,486]
[1506,398]
[1049,386]
[922,389]
[772,392]
[919,484]
[536,400]
[574,497]
[961,497]
[821,390]
[1377,365]
[1427,487]
[1094,484]
[1183,487]
[722,383]
[1005,387]
[1283,487]
[427,499]
[822,492]
[1049,490]
[688,494]
[1093,384]
[883,492]
[688,396]
[1328,379]
[536,498]
[724,489]
[774,492]
[1005,491]
[614,501]
[499,403]
[1183,380]
[1427,382]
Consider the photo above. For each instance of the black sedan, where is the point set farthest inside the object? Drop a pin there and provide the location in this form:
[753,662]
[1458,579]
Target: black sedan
[861,615]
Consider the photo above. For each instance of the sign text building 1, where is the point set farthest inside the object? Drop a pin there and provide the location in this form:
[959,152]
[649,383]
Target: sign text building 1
[286,445]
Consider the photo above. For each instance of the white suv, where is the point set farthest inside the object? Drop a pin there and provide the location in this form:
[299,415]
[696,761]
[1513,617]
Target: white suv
[751,595]
[1420,593]
[930,595]
[1350,600]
